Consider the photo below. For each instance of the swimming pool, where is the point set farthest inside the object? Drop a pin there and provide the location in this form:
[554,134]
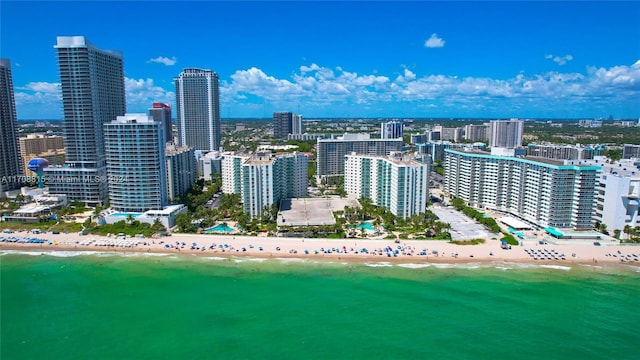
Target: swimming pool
[219,228]
[125,214]
[365,225]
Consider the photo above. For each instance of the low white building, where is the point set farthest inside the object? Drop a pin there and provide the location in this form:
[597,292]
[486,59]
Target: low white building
[211,164]
[42,207]
[618,195]
[167,215]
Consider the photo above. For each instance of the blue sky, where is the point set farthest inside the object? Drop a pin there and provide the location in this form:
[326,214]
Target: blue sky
[346,59]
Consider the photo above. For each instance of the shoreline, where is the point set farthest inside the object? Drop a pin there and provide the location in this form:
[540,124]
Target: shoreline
[332,250]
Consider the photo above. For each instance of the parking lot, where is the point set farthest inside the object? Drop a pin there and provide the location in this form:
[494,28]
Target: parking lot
[462,227]
[311,211]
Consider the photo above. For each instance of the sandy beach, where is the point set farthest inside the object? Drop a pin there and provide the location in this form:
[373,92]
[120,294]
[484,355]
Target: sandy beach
[360,250]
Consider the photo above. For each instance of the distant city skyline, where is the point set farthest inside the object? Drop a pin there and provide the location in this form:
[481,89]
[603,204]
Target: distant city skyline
[348,59]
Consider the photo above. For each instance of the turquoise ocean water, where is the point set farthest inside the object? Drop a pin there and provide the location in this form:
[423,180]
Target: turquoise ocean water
[166,307]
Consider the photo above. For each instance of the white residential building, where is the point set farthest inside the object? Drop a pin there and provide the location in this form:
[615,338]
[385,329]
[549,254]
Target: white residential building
[210,164]
[545,192]
[268,178]
[232,172]
[136,163]
[618,196]
[397,182]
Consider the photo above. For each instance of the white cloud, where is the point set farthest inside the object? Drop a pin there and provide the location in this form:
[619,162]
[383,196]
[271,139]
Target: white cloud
[39,100]
[164,60]
[560,60]
[313,67]
[344,88]
[335,90]
[409,75]
[141,93]
[42,87]
[434,41]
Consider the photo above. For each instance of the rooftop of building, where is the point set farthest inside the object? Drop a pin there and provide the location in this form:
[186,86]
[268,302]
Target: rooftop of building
[165,211]
[81,41]
[32,209]
[545,160]
[621,168]
[355,137]
[397,158]
[132,119]
[40,136]
[173,149]
[261,158]
[533,159]
[569,146]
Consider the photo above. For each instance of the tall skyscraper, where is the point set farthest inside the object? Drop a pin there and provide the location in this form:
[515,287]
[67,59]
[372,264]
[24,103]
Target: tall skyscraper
[162,113]
[92,82]
[136,163]
[296,124]
[198,109]
[282,124]
[392,130]
[506,133]
[10,163]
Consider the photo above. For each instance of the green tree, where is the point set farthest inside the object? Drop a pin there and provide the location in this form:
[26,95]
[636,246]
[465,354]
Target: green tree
[613,154]
[158,227]
[183,221]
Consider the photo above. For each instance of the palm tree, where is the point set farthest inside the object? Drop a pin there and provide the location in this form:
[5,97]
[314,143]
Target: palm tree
[627,230]
[157,226]
[616,233]
[602,227]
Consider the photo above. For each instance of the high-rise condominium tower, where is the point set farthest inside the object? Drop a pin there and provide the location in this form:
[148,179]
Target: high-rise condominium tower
[162,113]
[506,133]
[136,163]
[10,164]
[282,124]
[92,82]
[296,124]
[198,109]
